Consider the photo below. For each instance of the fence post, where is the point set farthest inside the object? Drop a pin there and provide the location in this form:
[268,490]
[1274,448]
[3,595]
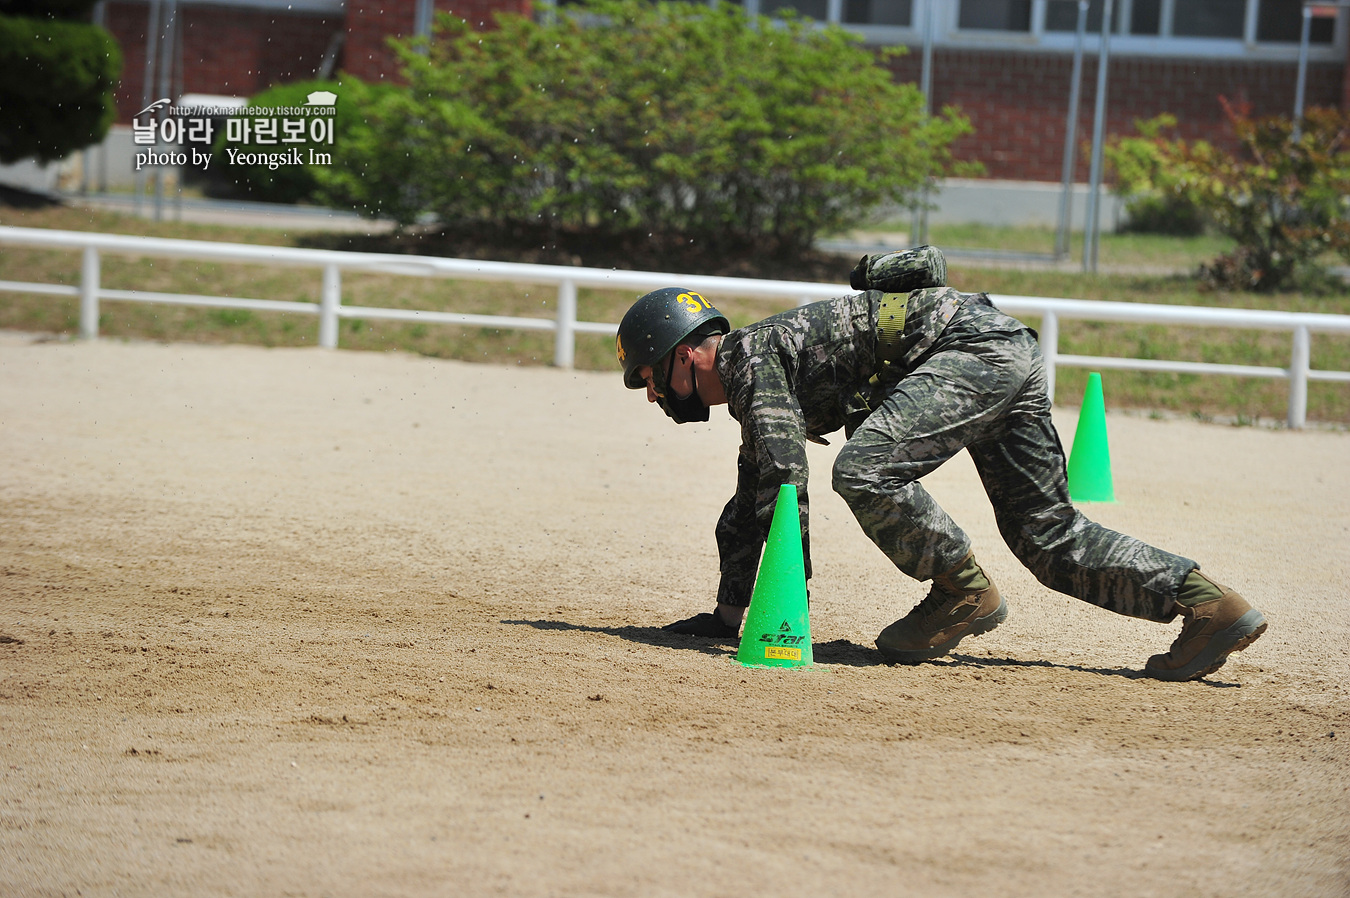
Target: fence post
[330,300]
[564,337]
[89,294]
[1049,333]
[1299,364]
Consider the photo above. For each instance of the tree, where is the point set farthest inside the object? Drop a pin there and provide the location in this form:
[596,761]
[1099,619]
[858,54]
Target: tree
[1284,197]
[1155,201]
[57,76]
[292,183]
[622,117]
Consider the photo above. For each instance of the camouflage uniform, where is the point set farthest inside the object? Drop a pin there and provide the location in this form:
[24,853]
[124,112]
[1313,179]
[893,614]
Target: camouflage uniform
[966,377]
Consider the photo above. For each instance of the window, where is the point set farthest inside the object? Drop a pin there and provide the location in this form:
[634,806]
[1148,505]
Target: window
[815,9]
[1281,21]
[1145,17]
[1060,16]
[1210,18]
[1275,21]
[996,15]
[879,12]
[1210,28]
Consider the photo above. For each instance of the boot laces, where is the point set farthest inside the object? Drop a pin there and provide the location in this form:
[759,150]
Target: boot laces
[937,602]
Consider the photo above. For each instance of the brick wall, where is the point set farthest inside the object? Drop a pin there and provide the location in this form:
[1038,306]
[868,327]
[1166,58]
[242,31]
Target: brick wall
[230,51]
[1018,102]
[370,23]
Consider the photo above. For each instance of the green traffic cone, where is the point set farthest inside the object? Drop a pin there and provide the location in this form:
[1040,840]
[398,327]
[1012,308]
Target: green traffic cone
[1090,458]
[778,627]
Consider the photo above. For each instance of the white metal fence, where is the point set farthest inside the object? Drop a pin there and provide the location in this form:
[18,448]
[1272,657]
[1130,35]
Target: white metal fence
[329,308]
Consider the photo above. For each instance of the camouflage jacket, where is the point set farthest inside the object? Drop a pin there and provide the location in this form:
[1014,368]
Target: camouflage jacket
[795,376]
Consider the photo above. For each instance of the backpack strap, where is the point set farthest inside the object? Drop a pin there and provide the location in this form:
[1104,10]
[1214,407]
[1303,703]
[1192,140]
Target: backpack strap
[891,326]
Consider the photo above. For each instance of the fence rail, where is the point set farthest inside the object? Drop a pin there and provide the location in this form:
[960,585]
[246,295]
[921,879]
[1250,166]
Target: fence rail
[329,307]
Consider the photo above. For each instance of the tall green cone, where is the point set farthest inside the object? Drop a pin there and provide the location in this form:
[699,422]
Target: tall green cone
[777,629]
[1090,458]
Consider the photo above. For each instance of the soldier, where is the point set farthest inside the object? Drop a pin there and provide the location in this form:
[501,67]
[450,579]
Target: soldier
[914,372]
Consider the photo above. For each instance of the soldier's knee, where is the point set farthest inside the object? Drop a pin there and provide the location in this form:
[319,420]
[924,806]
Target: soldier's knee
[1046,533]
[855,472]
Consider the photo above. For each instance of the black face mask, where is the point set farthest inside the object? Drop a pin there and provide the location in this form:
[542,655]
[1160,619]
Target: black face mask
[681,411]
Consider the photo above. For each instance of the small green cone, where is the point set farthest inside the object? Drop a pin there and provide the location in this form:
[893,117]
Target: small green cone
[1090,458]
[777,629]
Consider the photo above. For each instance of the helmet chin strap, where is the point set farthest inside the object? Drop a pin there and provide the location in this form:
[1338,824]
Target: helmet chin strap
[661,379]
[664,385]
[681,411]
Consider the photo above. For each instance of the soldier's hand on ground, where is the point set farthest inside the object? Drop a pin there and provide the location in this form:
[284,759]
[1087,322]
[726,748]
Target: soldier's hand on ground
[709,624]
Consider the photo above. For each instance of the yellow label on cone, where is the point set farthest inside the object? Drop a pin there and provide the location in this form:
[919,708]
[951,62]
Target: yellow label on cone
[782,653]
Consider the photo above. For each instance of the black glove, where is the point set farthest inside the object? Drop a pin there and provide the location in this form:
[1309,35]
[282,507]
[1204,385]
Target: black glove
[708,624]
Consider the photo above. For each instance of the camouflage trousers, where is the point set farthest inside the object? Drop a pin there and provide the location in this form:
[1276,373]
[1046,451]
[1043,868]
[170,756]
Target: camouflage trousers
[983,389]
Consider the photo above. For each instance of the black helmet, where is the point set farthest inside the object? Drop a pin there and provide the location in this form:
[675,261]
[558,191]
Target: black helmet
[657,323]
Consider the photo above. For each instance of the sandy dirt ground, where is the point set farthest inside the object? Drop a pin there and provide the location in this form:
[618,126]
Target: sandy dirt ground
[304,623]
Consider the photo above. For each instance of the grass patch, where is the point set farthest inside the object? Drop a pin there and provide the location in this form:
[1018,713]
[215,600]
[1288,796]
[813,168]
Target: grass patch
[1245,400]
[1134,252]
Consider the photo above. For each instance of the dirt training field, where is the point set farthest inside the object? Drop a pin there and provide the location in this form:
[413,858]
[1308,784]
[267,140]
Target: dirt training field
[296,622]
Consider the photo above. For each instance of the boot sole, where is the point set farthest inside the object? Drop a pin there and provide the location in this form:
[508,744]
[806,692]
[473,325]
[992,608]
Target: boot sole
[1240,634]
[977,627]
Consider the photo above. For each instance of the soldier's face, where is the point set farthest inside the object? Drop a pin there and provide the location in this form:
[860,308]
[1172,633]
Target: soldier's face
[645,372]
[678,379]
[675,389]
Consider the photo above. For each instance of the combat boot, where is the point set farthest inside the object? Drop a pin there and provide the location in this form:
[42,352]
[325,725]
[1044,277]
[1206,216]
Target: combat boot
[1218,622]
[962,602]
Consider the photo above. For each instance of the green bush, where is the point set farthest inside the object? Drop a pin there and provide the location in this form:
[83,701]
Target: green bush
[289,183]
[1155,201]
[56,86]
[373,171]
[1284,198]
[1172,215]
[627,117]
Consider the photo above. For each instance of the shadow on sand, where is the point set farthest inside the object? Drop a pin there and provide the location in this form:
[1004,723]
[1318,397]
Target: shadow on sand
[836,652]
